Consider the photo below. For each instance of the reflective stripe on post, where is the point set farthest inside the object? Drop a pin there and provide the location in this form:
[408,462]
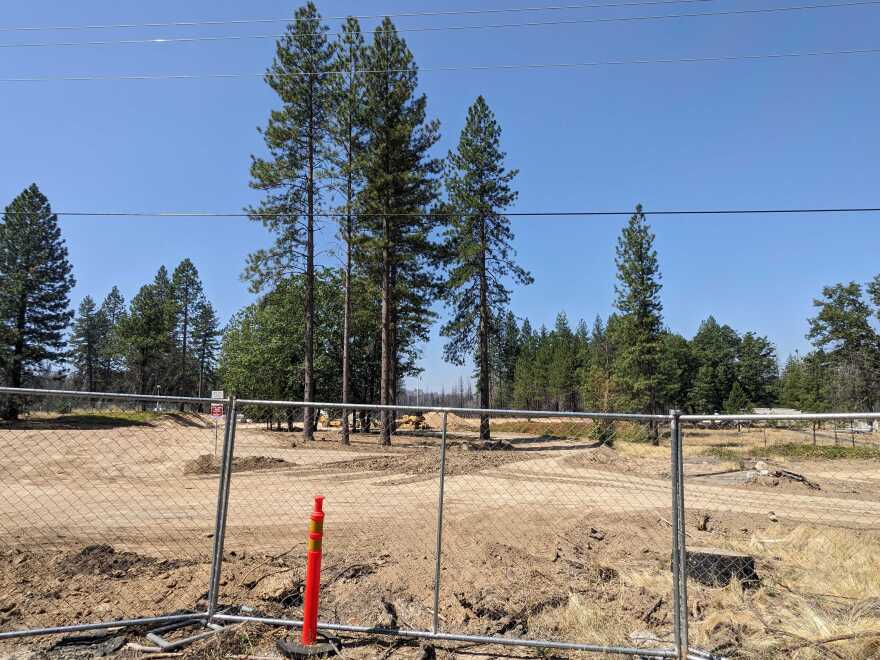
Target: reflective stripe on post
[313,573]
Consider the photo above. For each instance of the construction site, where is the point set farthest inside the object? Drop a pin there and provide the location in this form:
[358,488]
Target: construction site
[110,515]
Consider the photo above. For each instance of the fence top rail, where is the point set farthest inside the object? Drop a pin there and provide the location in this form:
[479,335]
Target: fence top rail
[788,417]
[153,398]
[505,412]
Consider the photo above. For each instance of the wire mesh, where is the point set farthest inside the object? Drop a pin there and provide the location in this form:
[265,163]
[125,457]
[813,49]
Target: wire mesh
[561,532]
[380,524]
[105,511]
[783,534]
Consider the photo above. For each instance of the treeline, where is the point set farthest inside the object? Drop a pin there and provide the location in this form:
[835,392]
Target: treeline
[165,340]
[583,368]
[843,372]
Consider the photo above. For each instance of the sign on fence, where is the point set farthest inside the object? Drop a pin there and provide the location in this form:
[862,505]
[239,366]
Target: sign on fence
[217,394]
[216,410]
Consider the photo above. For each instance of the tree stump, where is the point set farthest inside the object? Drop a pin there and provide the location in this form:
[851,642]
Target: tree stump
[716,568]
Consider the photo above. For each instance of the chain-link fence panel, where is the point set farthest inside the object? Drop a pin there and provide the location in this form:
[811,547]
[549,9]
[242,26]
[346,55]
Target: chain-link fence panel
[380,516]
[106,510]
[559,528]
[783,534]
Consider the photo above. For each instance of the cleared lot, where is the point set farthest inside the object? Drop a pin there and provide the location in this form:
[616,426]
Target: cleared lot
[555,537]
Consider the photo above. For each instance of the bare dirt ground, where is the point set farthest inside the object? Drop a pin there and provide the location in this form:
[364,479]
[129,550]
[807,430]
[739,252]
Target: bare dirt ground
[555,538]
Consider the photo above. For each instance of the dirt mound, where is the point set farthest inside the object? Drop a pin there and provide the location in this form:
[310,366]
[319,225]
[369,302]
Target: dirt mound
[602,455]
[102,560]
[459,460]
[207,464]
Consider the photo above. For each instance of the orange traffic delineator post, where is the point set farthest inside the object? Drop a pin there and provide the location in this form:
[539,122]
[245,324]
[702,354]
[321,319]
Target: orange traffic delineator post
[313,573]
[309,645]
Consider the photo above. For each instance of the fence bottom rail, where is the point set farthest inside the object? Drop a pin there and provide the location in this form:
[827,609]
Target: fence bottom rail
[451,637]
[85,627]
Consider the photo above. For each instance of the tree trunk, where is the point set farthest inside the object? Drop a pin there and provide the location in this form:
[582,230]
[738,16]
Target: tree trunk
[346,318]
[484,335]
[308,359]
[10,410]
[385,376]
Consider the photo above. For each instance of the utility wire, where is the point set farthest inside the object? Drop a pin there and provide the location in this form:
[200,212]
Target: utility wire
[447,214]
[411,14]
[441,69]
[448,28]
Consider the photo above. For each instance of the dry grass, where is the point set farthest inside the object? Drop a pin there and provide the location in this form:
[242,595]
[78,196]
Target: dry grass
[818,598]
[816,585]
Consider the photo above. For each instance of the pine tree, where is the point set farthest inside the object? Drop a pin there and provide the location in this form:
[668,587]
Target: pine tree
[714,350]
[296,137]
[675,370]
[399,183]
[347,136]
[189,298]
[563,367]
[111,358]
[479,239]
[146,334]
[35,282]
[737,401]
[506,352]
[843,330]
[757,369]
[89,335]
[204,344]
[638,300]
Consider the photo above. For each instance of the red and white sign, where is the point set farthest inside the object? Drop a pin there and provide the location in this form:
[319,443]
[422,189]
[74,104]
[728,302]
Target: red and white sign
[216,410]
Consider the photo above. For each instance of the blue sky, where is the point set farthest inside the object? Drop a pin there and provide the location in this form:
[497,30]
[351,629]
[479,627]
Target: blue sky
[799,132]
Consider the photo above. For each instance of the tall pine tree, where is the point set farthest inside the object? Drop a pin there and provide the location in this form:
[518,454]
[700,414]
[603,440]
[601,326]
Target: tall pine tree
[399,184]
[347,137]
[35,282]
[479,239]
[296,136]
[641,315]
[189,298]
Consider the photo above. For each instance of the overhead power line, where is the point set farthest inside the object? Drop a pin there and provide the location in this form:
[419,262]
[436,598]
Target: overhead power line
[448,28]
[445,214]
[440,69]
[409,14]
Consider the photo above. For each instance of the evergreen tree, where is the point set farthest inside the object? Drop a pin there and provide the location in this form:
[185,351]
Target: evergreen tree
[110,353]
[737,401]
[35,282]
[638,301]
[204,344]
[297,139]
[842,329]
[146,333]
[399,183]
[478,238]
[757,369]
[714,349]
[347,135]
[675,370]
[89,336]
[506,350]
[563,367]
[189,298]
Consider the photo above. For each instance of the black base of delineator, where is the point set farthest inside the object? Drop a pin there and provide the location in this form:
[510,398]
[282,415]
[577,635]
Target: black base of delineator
[290,649]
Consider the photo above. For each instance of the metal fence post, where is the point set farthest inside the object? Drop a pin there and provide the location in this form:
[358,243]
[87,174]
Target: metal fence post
[679,549]
[438,548]
[222,506]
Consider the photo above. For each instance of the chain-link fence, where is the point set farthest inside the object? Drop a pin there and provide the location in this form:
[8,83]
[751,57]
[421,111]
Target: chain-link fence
[103,514]
[783,534]
[564,531]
